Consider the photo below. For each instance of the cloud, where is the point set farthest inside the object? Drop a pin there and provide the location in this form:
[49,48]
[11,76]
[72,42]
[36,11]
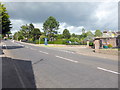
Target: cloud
[71,15]
[72,29]
[16,24]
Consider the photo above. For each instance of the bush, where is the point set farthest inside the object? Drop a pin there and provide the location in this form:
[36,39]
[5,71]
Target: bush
[110,46]
[91,44]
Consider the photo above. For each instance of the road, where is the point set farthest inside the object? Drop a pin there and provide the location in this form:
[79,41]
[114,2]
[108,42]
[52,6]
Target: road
[47,67]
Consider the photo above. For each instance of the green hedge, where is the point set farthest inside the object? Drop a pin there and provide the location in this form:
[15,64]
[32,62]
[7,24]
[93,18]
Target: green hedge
[59,41]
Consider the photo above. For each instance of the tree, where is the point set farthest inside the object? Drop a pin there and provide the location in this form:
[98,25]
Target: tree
[89,33]
[73,35]
[5,24]
[90,36]
[66,34]
[35,33]
[98,33]
[8,33]
[25,30]
[83,30]
[50,27]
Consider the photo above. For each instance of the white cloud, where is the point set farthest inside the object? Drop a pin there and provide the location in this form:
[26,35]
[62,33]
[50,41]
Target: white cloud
[16,24]
[107,14]
[38,25]
[72,29]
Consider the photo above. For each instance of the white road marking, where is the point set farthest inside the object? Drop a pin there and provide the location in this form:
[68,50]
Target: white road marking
[4,45]
[107,70]
[67,51]
[67,59]
[61,50]
[43,52]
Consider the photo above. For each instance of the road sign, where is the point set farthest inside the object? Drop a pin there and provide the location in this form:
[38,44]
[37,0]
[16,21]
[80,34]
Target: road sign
[45,41]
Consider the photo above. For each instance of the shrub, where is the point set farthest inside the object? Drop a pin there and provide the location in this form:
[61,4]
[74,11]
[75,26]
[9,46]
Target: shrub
[91,44]
[110,46]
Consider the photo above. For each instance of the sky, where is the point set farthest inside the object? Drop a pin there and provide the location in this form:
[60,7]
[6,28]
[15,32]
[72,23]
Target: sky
[71,15]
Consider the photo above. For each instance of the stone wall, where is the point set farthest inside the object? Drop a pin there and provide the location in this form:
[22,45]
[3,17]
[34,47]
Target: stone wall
[108,51]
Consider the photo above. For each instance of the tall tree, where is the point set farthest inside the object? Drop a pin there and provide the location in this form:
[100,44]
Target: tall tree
[5,24]
[25,30]
[66,34]
[35,33]
[98,33]
[50,27]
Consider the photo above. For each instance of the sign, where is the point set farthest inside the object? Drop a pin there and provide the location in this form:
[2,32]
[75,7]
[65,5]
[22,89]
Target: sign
[45,41]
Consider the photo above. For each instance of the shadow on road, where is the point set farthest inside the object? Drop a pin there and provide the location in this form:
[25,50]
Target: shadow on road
[17,74]
[12,47]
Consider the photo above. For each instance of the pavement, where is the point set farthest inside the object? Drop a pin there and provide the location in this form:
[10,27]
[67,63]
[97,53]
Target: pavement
[49,67]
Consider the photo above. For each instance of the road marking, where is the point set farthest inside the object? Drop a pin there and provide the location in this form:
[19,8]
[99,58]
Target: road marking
[67,59]
[4,45]
[43,52]
[61,50]
[108,70]
[67,51]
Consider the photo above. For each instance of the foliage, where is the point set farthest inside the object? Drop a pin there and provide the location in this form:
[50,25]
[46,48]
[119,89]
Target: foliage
[28,32]
[5,23]
[110,46]
[98,33]
[50,27]
[66,34]
[73,35]
[91,44]
[35,32]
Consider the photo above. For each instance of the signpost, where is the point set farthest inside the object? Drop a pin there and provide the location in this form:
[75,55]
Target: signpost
[45,41]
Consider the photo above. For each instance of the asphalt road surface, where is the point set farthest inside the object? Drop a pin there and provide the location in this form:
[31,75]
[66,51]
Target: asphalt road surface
[46,67]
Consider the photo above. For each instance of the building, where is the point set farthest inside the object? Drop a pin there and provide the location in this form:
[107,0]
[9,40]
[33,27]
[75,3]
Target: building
[109,38]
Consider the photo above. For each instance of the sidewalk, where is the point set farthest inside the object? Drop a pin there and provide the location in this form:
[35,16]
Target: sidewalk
[88,52]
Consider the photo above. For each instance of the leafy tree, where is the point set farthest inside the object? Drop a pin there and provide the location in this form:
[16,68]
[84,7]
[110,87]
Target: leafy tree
[5,24]
[73,35]
[90,36]
[18,36]
[58,36]
[50,27]
[66,34]
[89,33]
[35,33]
[25,30]
[98,33]
[8,33]
[74,39]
